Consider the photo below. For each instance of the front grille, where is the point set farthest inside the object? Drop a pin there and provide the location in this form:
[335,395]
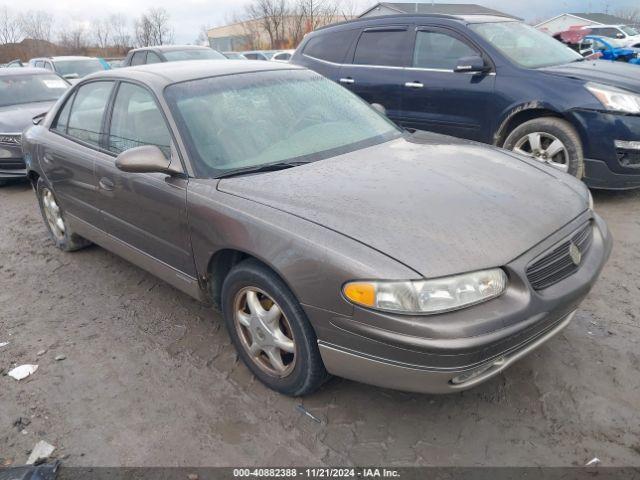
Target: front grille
[558,264]
[12,164]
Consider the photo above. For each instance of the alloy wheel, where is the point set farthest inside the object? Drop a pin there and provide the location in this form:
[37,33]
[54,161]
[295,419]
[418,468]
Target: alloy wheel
[53,214]
[265,332]
[544,147]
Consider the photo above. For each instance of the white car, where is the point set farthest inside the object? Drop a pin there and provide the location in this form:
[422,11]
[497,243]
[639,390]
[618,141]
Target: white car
[619,35]
[282,56]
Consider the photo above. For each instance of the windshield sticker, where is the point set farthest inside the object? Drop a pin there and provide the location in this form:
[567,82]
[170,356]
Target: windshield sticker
[55,83]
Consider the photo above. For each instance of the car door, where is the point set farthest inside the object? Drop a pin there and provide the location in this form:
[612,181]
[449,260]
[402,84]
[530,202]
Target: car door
[152,57]
[139,58]
[146,211]
[437,98]
[67,158]
[376,70]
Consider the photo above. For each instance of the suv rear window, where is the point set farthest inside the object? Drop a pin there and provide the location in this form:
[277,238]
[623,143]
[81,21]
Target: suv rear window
[332,46]
[382,47]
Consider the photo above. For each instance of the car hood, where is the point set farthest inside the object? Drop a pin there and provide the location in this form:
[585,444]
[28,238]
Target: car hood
[618,74]
[436,204]
[15,118]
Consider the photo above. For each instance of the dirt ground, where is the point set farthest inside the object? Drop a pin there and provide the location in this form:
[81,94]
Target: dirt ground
[150,378]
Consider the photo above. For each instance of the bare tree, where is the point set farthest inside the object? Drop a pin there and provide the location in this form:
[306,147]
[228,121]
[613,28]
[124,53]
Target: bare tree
[142,27]
[120,35]
[10,26]
[37,25]
[74,39]
[203,36]
[348,9]
[630,14]
[271,15]
[102,35]
[161,29]
[308,15]
[251,32]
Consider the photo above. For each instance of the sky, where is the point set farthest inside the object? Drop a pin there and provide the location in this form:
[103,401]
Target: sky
[188,15]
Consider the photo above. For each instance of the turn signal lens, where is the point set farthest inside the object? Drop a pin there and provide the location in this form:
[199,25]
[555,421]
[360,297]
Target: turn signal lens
[428,296]
[361,293]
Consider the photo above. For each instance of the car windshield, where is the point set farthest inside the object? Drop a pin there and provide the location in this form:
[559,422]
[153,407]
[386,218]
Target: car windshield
[18,89]
[193,54]
[257,119]
[629,31]
[524,45]
[80,68]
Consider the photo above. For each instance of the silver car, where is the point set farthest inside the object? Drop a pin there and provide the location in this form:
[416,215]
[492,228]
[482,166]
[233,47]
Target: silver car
[332,241]
[24,94]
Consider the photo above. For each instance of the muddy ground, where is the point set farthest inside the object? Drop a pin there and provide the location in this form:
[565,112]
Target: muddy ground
[150,378]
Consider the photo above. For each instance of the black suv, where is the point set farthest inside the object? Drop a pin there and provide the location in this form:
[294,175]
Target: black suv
[495,80]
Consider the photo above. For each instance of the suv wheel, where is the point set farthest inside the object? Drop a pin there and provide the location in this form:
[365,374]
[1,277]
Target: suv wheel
[270,330]
[549,140]
[53,216]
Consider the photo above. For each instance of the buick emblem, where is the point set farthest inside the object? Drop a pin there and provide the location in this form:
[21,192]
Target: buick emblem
[575,254]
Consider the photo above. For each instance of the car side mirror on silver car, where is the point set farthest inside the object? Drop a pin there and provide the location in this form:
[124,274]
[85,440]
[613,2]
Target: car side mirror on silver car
[145,159]
[473,64]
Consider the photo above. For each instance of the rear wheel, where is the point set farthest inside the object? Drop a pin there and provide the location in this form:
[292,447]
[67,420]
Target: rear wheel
[59,231]
[270,330]
[550,140]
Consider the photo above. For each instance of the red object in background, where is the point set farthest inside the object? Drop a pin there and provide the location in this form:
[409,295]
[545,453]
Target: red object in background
[574,34]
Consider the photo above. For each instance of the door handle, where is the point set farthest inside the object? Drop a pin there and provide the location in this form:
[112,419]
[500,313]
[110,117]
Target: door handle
[46,158]
[106,184]
[348,81]
[414,85]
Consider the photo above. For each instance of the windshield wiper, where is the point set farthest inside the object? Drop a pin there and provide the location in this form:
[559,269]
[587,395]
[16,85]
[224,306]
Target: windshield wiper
[271,167]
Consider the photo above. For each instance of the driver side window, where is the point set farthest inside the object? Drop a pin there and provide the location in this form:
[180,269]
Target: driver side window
[439,50]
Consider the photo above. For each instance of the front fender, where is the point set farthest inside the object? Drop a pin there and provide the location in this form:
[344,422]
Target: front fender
[312,260]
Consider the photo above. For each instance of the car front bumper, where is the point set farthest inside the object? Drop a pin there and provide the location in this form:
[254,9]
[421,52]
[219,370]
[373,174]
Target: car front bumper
[12,164]
[607,166]
[458,350]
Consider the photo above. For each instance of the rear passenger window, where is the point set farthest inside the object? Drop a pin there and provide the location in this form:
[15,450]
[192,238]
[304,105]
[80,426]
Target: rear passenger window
[332,47]
[153,58]
[439,51]
[139,58]
[85,119]
[381,47]
[137,121]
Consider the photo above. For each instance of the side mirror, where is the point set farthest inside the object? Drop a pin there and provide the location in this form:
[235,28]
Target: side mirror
[473,64]
[38,118]
[71,76]
[379,108]
[620,35]
[145,159]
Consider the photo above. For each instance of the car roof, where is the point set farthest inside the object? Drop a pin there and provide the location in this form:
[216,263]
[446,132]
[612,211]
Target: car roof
[159,75]
[169,48]
[468,18]
[9,72]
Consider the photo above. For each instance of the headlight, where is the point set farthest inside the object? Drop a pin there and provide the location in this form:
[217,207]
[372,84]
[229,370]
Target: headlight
[614,98]
[428,296]
[10,138]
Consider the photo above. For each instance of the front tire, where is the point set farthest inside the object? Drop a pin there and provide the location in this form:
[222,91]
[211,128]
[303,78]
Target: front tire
[550,140]
[53,215]
[270,330]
